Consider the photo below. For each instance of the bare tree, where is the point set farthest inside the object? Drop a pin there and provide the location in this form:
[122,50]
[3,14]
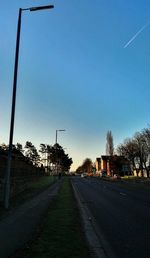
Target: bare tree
[129,150]
[109,144]
[137,151]
[145,149]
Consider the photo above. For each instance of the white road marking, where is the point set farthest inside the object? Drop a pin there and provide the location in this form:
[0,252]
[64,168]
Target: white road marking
[123,194]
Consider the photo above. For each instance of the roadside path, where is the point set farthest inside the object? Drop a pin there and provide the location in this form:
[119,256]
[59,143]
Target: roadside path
[18,227]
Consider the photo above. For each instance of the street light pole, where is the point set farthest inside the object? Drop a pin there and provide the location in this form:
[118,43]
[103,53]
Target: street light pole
[60,130]
[56,136]
[7,178]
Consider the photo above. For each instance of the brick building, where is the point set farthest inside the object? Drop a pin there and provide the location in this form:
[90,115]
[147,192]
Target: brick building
[113,165]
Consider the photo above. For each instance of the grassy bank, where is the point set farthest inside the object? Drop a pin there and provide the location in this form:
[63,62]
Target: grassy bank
[34,187]
[61,235]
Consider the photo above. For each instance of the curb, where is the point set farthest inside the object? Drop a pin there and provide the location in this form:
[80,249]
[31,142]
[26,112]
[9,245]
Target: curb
[89,228]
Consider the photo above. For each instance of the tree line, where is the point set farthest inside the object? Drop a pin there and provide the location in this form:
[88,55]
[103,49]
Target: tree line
[86,166]
[137,150]
[46,156]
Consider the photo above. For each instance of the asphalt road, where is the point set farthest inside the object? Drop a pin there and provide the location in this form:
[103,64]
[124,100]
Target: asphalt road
[122,215]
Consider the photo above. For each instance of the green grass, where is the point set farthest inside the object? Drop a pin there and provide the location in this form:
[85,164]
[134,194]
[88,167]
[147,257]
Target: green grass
[34,187]
[141,182]
[40,183]
[132,178]
[61,235]
[135,179]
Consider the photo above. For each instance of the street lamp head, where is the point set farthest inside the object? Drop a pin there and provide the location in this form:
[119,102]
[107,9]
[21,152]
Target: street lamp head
[41,8]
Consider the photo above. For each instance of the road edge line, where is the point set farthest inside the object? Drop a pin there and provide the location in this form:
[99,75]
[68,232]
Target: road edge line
[91,236]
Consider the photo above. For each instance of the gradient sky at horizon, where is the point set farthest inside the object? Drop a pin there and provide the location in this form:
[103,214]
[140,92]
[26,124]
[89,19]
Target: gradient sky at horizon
[75,74]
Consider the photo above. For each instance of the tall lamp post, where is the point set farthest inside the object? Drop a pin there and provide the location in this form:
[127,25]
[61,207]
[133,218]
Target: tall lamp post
[7,178]
[60,130]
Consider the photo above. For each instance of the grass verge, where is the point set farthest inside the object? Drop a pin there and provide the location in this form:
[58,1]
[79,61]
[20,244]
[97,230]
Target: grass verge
[61,235]
[34,187]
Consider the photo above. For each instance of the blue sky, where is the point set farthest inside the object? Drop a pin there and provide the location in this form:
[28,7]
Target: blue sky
[75,74]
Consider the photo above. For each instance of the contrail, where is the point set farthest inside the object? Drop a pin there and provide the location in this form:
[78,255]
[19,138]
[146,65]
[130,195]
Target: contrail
[136,34]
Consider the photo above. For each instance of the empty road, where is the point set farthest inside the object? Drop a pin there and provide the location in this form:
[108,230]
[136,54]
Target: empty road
[122,215]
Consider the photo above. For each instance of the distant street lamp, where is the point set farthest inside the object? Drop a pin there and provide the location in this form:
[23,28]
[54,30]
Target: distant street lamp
[60,130]
[7,178]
